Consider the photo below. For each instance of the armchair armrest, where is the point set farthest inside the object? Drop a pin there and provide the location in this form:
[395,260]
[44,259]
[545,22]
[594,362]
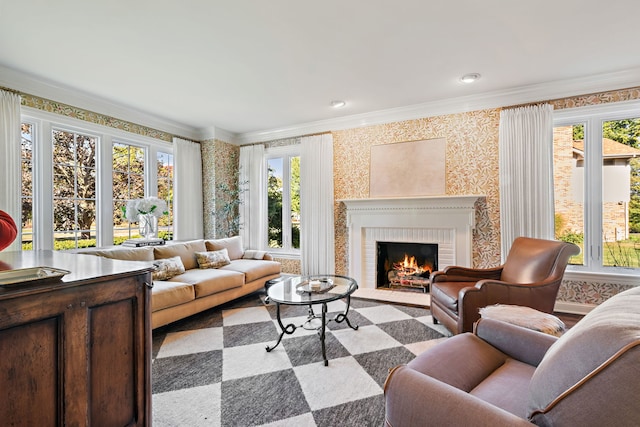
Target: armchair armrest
[412,399]
[520,343]
[455,273]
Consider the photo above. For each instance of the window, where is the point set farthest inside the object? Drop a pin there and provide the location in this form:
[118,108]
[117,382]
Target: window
[128,183]
[74,187]
[283,199]
[597,185]
[26,160]
[76,176]
[165,192]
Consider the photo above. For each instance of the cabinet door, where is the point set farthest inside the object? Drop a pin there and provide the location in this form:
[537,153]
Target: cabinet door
[118,354]
[30,374]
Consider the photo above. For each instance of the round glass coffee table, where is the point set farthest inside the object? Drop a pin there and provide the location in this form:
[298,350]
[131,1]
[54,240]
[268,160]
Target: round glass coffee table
[310,291]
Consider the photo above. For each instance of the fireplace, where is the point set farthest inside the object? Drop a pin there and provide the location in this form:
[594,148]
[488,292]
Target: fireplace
[405,264]
[447,221]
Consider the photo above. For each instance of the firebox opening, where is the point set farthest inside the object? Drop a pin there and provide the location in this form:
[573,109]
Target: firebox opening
[405,265]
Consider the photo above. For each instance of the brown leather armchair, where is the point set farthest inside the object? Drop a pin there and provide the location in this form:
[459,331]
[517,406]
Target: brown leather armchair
[506,375]
[530,277]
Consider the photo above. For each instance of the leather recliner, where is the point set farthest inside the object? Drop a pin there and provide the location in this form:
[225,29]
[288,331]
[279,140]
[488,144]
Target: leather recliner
[507,375]
[530,277]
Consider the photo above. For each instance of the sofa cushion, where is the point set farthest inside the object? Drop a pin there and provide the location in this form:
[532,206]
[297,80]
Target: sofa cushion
[167,268]
[166,294]
[126,254]
[213,259]
[186,251]
[253,269]
[232,244]
[210,281]
[253,254]
[598,358]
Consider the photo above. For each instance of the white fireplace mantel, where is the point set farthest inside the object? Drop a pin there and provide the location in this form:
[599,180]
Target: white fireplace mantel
[446,220]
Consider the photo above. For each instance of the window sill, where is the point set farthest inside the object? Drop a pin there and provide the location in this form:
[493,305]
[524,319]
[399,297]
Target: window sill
[283,254]
[618,277]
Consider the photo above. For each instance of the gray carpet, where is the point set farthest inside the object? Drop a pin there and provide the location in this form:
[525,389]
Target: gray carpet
[212,369]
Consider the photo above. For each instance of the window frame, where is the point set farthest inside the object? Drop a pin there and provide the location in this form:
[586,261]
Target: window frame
[593,118]
[285,152]
[44,123]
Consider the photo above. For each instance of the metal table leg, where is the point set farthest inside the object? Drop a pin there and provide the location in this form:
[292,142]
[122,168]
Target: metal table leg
[322,333]
[289,329]
[341,317]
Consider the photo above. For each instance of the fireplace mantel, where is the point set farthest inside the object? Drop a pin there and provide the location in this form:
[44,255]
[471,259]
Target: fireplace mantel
[446,220]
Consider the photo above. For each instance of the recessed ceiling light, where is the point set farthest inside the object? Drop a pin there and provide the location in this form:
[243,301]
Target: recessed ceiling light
[470,78]
[338,104]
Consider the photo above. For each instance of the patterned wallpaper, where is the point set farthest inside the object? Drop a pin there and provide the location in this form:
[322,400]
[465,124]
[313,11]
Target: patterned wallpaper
[215,164]
[89,116]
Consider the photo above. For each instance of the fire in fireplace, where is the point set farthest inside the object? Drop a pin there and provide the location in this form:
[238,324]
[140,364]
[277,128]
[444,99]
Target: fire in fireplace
[407,265]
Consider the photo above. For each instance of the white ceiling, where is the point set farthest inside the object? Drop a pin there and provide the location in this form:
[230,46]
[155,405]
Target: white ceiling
[255,66]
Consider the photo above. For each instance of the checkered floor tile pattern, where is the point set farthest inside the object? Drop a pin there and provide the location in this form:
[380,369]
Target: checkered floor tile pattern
[213,369]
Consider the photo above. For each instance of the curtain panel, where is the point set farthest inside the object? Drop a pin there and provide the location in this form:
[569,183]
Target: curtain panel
[253,209]
[526,174]
[317,240]
[10,147]
[188,204]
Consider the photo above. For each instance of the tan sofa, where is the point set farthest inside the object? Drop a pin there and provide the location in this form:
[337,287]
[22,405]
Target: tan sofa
[198,289]
[506,375]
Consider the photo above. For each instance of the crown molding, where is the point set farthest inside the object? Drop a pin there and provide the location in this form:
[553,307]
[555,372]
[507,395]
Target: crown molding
[42,88]
[514,96]
[219,134]
[32,85]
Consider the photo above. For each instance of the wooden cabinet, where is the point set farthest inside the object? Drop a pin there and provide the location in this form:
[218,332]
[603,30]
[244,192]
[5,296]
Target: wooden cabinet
[76,352]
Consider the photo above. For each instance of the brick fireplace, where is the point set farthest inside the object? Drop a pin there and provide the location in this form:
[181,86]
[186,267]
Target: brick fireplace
[447,221]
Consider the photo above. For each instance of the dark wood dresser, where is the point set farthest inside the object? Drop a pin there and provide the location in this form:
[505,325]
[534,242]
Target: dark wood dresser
[75,352]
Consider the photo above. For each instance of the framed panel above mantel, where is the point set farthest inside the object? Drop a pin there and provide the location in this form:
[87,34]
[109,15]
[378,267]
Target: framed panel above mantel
[408,169]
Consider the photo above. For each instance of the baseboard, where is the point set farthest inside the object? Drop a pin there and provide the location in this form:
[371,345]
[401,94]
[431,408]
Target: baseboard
[573,307]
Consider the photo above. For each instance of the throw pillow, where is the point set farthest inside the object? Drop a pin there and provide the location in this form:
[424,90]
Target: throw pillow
[232,244]
[253,254]
[213,259]
[167,268]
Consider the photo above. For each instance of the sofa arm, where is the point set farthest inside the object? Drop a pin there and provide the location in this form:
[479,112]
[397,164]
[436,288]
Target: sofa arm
[415,399]
[259,255]
[525,345]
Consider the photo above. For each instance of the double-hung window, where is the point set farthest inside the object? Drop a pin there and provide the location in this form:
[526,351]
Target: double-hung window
[74,187]
[283,198]
[597,185]
[128,183]
[26,198]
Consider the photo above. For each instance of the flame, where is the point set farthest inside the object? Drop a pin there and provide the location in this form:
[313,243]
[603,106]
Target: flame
[409,267]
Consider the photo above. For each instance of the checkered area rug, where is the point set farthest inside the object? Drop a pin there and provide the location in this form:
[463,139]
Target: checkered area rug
[213,369]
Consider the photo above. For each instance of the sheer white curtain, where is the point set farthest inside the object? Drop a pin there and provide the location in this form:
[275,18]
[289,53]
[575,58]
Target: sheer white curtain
[526,174]
[187,193]
[253,210]
[10,160]
[317,240]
